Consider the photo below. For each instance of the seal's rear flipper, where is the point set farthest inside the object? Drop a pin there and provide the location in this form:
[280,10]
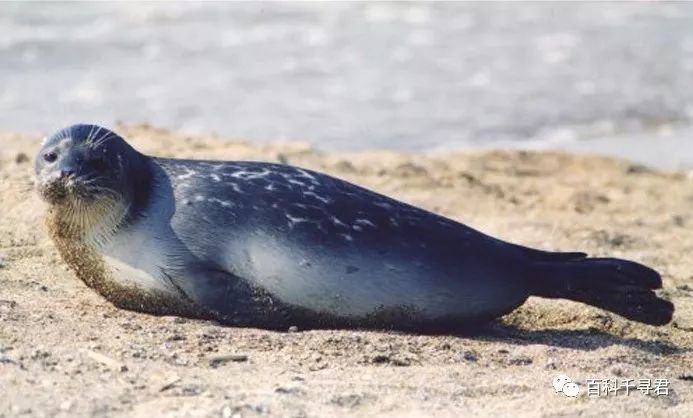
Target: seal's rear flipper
[620,286]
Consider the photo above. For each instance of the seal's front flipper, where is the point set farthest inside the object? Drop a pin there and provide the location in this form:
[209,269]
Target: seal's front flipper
[620,286]
[232,300]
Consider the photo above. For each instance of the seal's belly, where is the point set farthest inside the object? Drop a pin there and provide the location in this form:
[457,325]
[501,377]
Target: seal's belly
[358,284]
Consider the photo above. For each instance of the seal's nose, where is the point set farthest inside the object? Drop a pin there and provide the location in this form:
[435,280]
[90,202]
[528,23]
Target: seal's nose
[69,166]
[66,172]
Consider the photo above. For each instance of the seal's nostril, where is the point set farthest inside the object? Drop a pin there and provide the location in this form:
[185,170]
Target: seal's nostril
[65,173]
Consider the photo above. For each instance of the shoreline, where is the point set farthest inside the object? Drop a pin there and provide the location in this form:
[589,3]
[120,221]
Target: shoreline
[631,147]
[55,333]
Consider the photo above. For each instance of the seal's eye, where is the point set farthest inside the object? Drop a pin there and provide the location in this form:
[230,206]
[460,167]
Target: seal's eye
[50,157]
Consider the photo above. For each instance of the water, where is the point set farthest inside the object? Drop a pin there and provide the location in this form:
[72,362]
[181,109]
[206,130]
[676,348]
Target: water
[603,77]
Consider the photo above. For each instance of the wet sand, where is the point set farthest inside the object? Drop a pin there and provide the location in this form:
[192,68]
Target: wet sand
[64,351]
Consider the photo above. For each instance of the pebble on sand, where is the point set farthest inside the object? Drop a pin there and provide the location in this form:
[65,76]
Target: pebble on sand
[217,359]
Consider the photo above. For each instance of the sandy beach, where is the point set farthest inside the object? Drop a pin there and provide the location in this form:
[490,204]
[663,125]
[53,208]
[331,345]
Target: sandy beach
[64,351]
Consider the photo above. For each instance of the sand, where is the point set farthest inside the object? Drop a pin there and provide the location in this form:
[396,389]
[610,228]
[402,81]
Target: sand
[64,351]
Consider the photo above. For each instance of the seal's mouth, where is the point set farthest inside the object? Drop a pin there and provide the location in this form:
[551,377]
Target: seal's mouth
[64,189]
[57,190]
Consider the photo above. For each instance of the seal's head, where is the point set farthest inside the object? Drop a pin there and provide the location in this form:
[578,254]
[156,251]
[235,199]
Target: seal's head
[89,173]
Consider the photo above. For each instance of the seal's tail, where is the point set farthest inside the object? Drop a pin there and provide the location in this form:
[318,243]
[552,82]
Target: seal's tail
[620,286]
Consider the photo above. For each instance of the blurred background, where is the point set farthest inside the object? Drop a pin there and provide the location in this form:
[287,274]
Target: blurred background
[614,78]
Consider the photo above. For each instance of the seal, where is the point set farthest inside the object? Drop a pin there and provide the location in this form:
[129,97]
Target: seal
[268,245]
